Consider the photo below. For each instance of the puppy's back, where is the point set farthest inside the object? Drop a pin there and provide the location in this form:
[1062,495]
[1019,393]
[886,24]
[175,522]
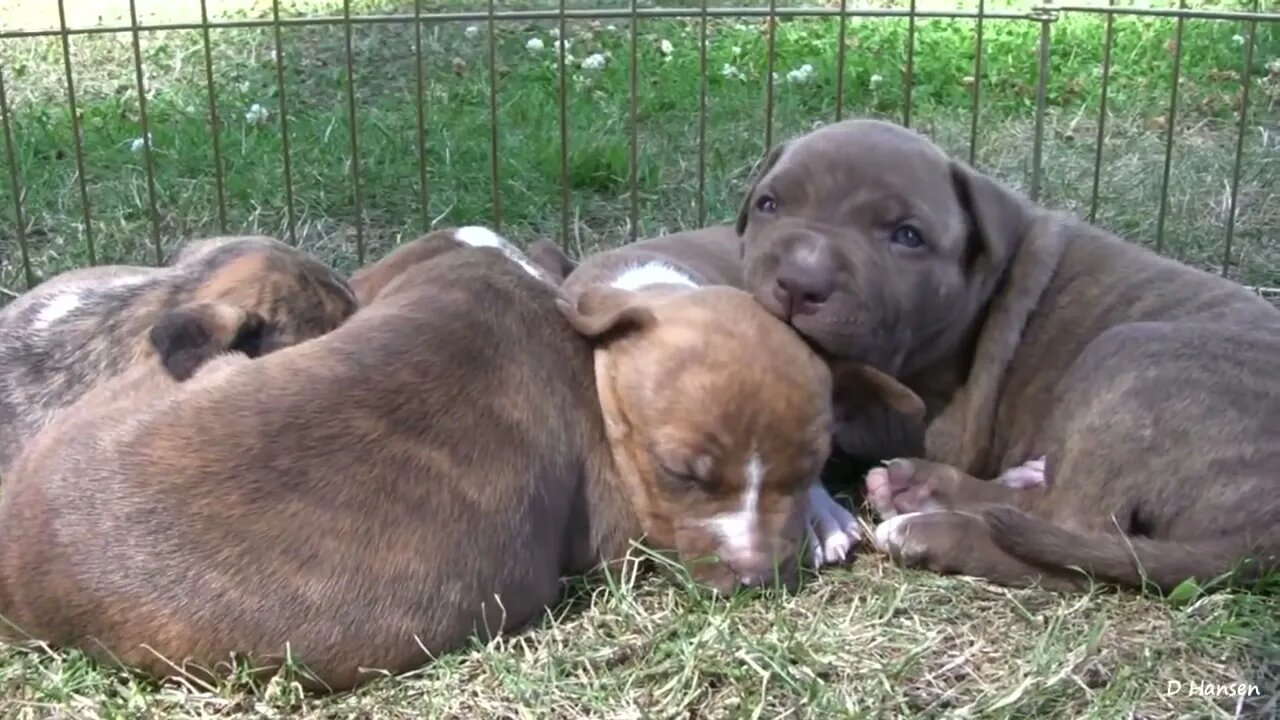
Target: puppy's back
[710,256]
[404,479]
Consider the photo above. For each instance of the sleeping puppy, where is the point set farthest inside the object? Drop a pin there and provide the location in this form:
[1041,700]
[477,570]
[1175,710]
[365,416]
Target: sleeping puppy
[713,257]
[86,326]
[424,473]
[1136,400]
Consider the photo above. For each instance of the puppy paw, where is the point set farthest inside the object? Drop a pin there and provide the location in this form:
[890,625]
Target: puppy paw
[1029,474]
[890,536]
[905,486]
[833,530]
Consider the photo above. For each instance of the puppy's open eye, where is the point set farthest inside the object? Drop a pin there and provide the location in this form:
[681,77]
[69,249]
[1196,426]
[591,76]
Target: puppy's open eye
[766,204]
[907,236]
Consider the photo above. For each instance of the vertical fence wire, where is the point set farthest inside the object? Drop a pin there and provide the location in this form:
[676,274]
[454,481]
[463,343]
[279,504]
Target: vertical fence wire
[841,54]
[421,108]
[1108,43]
[910,78]
[977,84]
[215,129]
[1240,130]
[76,139]
[15,183]
[148,160]
[291,225]
[771,53]
[1171,120]
[494,178]
[633,153]
[562,43]
[356,192]
[1042,96]
[702,116]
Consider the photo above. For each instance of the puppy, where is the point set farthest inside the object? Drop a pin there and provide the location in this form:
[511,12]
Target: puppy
[423,473]
[86,326]
[713,257]
[1145,391]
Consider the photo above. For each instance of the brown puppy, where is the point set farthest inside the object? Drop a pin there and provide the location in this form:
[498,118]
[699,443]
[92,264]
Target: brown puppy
[426,471]
[86,326]
[1149,388]
[708,258]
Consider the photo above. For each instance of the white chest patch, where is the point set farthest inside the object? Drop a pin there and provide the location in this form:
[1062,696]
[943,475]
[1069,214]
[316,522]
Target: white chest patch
[739,529]
[56,309]
[651,273]
[480,236]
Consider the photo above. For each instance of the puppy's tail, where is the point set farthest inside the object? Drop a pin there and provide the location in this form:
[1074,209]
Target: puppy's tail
[1134,561]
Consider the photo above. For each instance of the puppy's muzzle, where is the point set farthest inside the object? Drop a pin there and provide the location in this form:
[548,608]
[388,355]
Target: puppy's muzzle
[806,276]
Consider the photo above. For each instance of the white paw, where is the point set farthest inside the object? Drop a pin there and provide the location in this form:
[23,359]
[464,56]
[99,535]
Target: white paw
[891,535]
[833,530]
[1027,475]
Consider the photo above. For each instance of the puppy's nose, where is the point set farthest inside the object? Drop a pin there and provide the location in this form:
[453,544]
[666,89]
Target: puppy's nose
[806,278]
[755,570]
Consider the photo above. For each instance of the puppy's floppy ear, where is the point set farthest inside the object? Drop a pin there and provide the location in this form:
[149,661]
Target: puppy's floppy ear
[603,310]
[999,216]
[188,336]
[551,258]
[775,154]
[854,380]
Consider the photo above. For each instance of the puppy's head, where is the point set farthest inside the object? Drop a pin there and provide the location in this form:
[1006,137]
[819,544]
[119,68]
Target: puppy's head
[719,418]
[873,244]
[295,296]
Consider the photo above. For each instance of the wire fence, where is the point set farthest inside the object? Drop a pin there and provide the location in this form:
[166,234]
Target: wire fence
[1044,14]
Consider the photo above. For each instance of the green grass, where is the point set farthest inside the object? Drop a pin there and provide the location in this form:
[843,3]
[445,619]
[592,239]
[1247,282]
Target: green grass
[871,641]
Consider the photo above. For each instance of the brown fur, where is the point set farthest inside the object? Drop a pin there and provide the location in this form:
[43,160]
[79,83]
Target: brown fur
[425,472]
[1150,386]
[711,256]
[86,326]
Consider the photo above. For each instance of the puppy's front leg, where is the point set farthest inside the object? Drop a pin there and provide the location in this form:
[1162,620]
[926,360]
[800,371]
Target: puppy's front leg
[907,486]
[960,543]
[833,530]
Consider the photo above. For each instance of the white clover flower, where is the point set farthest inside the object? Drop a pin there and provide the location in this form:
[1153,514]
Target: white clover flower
[731,72]
[611,28]
[594,61]
[138,143]
[736,50]
[876,81]
[256,115]
[534,45]
[472,32]
[555,32]
[563,45]
[800,74]
[665,47]
[1237,39]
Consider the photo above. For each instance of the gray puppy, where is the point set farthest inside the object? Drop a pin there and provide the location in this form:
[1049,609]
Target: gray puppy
[1146,392]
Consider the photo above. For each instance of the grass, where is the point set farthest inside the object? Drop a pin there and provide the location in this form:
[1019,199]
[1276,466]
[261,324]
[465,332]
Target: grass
[870,641]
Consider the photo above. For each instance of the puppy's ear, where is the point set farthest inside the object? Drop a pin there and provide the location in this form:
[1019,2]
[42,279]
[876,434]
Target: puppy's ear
[188,336]
[770,160]
[998,214]
[603,310]
[548,256]
[856,380]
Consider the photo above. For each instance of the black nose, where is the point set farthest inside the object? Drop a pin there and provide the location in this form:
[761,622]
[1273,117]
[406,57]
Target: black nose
[806,279]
